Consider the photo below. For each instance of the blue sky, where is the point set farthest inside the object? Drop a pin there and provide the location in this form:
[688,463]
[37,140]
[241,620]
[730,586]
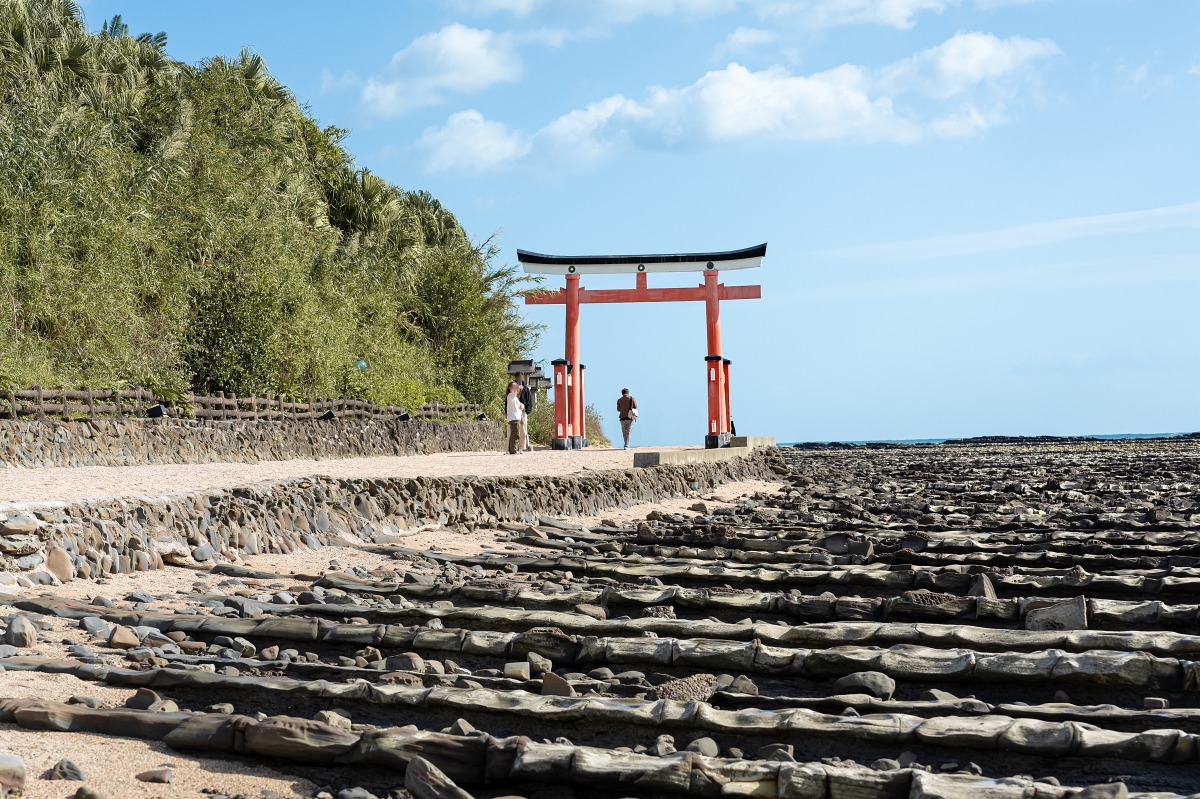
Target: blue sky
[982,215]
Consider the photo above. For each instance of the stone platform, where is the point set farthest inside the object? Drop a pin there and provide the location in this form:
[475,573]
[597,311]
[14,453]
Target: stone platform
[739,447]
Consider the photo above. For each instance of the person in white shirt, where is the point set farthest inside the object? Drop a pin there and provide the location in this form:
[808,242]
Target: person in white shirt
[514,410]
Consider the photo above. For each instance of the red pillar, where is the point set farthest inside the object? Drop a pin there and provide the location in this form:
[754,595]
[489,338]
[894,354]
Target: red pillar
[716,429]
[582,406]
[712,311]
[728,408]
[575,412]
[561,404]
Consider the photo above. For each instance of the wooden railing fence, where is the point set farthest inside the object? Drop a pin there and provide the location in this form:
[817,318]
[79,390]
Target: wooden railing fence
[88,403]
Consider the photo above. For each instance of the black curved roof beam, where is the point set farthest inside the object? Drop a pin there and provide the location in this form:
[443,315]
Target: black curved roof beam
[539,263]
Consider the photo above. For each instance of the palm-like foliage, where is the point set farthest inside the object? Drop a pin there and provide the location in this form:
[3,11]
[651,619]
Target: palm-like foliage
[175,226]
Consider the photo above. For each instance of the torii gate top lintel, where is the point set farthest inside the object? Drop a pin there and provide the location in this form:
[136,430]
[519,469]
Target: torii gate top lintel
[569,426]
[537,263]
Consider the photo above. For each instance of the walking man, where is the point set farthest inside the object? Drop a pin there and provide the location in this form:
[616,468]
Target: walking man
[627,412]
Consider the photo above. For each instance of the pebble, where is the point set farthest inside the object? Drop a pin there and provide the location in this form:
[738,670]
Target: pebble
[517,671]
[12,774]
[461,727]
[553,685]
[875,683]
[160,775]
[142,699]
[94,625]
[355,793]
[123,638]
[66,769]
[21,633]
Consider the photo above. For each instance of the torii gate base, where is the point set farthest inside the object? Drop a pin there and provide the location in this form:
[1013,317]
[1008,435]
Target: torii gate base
[570,430]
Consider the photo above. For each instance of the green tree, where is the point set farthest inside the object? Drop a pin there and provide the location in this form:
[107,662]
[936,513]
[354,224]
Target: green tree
[191,226]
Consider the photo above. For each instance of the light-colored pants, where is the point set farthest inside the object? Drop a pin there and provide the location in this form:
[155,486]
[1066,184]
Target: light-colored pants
[514,436]
[524,442]
[626,429]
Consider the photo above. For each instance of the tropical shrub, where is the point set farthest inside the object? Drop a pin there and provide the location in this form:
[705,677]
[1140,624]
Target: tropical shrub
[185,227]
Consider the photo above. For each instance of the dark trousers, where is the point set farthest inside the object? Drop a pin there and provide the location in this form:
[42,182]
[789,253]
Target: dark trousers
[514,436]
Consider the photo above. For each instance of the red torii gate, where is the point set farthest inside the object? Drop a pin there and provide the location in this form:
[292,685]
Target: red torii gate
[569,429]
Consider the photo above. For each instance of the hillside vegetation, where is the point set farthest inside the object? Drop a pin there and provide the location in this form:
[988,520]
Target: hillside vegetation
[191,226]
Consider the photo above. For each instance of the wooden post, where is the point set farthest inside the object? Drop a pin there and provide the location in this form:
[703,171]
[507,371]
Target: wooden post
[140,411]
[253,407]
[220,398]
[41,406]
[233,401]
[66,409]
[12,403]
[91,402]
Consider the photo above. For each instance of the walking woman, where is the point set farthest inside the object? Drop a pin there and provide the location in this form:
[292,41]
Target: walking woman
[514,409]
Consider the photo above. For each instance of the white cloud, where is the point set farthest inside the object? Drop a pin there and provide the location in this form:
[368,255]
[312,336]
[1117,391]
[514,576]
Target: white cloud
[517,7]
[1131,80]
[332,83]
[470,143]
[806,13]
[963,61]
[746,39]
[986,4]
[1172,217]
[735,103]
[848,103]
[606,10]
[832,13]
[454,59]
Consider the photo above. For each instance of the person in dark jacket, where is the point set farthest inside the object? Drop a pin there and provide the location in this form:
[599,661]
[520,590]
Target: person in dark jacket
[627,413]
[526,398]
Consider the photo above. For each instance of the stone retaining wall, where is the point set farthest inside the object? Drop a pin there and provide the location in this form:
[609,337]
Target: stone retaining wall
[89,537]
[136,442]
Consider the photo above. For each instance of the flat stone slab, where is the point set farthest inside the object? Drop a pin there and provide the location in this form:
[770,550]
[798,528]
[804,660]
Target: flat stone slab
[741,446]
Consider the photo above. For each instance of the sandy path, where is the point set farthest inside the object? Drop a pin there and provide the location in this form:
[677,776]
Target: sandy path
[109,764]
[24,485]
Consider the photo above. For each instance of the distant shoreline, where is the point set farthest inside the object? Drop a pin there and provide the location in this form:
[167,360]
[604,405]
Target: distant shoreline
[992,439]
